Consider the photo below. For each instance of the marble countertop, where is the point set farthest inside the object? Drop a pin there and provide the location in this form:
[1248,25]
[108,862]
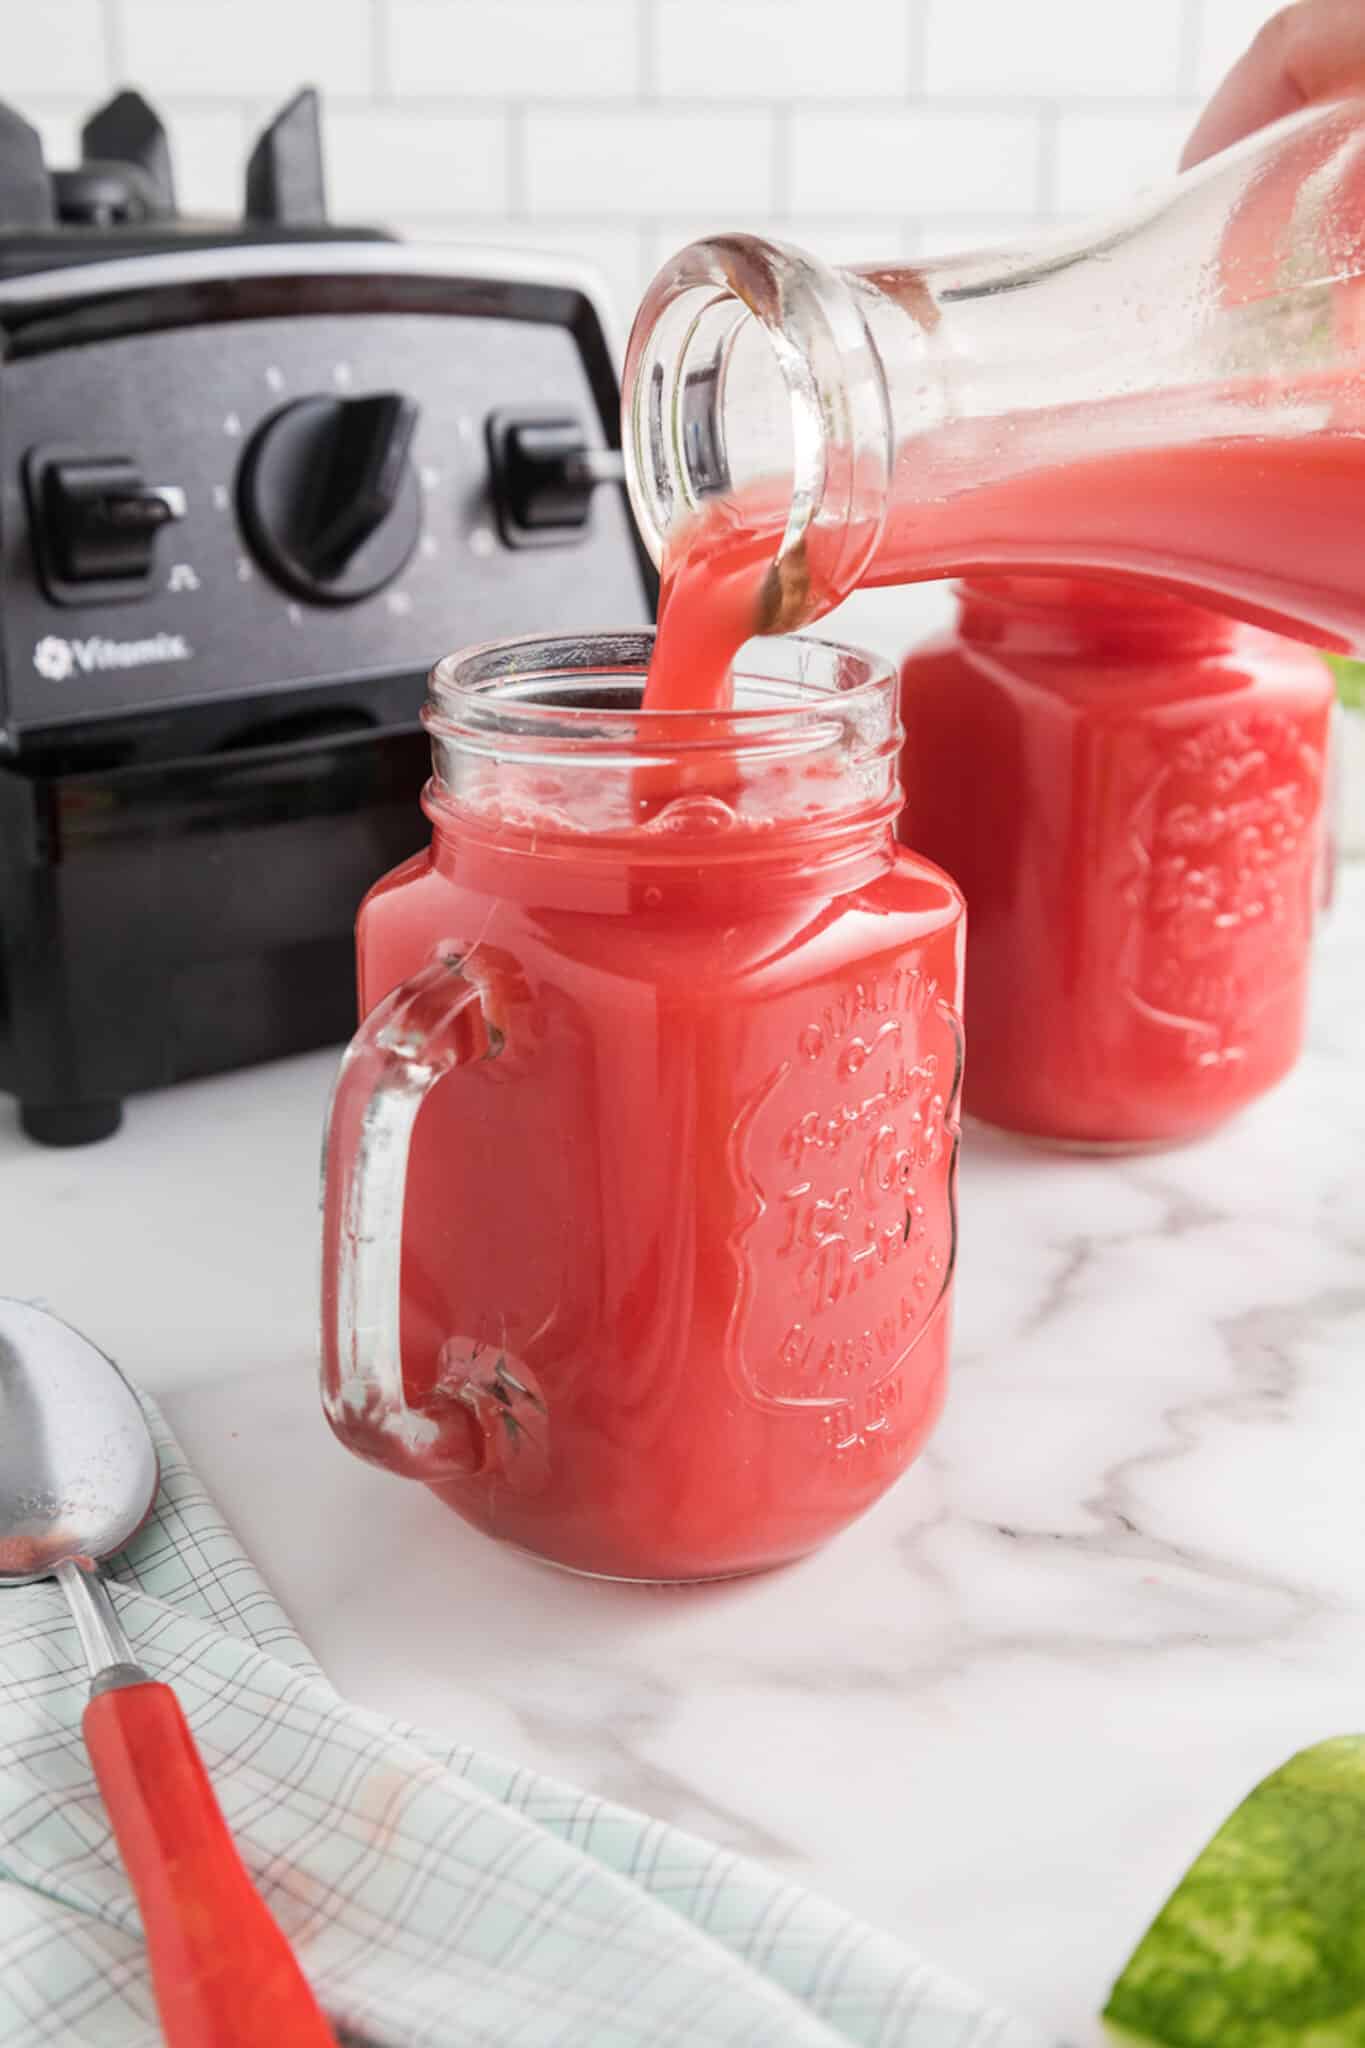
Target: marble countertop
[1001,1714]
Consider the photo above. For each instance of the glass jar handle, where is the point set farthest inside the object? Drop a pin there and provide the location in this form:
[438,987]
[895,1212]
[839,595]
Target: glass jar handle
[428,1026]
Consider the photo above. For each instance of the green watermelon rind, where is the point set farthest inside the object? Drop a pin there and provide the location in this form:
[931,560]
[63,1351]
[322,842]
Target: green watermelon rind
[1350,679]
[1262,1943]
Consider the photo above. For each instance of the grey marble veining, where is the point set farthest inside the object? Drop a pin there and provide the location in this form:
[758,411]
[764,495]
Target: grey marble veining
[1001,1714]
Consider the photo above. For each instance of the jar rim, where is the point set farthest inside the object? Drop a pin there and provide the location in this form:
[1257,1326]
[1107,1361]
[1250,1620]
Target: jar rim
[552,731]
[494,684]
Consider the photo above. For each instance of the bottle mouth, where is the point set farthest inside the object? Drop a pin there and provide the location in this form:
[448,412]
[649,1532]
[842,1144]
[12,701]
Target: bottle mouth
[554,733]
[751,378]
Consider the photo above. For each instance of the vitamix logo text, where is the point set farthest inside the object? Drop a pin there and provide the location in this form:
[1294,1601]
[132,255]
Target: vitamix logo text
[56,659]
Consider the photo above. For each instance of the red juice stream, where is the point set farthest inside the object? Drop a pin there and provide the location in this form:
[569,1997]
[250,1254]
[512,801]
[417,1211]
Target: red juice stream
[715,578]
[720,587]
[710,603]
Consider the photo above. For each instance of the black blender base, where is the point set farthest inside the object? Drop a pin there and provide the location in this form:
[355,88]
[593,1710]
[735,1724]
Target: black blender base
[187,918]
[70,1123]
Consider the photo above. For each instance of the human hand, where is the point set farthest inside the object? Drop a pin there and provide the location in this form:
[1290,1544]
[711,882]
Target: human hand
[1313,50]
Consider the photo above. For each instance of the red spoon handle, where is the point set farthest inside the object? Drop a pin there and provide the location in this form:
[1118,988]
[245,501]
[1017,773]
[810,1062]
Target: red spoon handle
[224,1975]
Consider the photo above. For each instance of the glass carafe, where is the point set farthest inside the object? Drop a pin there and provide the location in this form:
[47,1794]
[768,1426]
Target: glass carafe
[640,1171]
[1177,395]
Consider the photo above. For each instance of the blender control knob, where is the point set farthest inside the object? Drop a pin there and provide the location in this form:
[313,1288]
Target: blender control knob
[329,497]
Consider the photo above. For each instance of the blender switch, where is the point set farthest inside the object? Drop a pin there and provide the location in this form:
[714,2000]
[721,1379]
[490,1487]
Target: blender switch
[98,521]
[545,473]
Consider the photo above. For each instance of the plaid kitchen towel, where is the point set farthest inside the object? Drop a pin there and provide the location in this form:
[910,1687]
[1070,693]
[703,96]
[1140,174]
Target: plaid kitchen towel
[434,1895]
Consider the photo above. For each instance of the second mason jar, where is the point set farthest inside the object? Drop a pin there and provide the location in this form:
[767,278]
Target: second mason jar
[1130,792]
[640,1174]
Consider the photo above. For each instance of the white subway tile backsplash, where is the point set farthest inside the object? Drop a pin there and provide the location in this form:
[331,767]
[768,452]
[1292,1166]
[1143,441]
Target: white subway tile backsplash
[1103,160]
[1226,27]
[1059,48]
[620,129]
[59,128]
[908,163]
[53,46]
[229,47]
[528,49]
[649,161]
[210,159]
[782,49]
[383,163]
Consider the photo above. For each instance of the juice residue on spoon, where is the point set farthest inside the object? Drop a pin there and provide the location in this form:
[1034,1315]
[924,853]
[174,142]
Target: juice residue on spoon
[20,1554]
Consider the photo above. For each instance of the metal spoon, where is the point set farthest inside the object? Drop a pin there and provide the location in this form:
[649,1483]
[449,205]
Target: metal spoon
[78,1477]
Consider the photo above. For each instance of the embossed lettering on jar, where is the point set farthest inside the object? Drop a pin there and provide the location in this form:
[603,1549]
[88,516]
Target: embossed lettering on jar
[1130,792]
[678,1231]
